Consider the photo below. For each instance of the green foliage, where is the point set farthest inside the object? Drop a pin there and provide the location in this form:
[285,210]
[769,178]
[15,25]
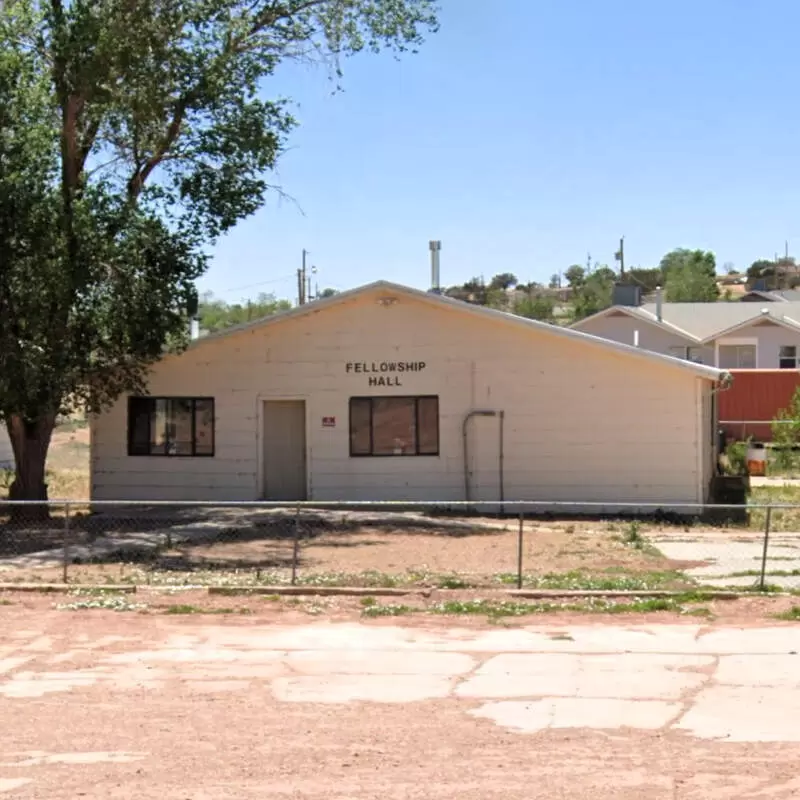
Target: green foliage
[595,293]
[505,280]
[536,306]
[216,315]
[786,433]
[576,276]
[647,279]
[132,136]
[690,276]
[736,457]
[779,274]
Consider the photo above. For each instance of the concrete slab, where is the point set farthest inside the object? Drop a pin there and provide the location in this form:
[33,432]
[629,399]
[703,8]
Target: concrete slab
[744,714]
[727,558]
[627,675]
[364,687]
[564,712]
[733,684]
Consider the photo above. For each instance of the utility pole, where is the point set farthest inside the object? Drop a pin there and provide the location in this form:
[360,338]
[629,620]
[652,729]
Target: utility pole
[301,281]
[588,263]
[620,256]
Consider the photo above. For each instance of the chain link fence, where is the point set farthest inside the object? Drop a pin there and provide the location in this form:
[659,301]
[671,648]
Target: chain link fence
[448,545]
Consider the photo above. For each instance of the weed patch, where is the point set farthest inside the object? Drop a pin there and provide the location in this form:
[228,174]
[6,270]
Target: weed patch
[184,608]
[107,603]
[388,610]
[791,614]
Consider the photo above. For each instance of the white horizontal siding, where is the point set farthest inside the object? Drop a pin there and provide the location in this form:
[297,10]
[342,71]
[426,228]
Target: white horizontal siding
[580,423]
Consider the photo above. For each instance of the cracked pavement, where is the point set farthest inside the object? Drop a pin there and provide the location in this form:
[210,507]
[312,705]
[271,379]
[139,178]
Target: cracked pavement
[687,683]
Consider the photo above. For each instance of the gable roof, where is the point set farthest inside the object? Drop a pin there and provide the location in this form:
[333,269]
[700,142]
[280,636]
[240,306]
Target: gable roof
[703,322]
[637,312]
[441,301]
[706,321]
[776,295]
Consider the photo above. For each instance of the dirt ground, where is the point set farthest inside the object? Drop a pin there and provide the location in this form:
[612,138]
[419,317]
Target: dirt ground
[484,553]
[100,704]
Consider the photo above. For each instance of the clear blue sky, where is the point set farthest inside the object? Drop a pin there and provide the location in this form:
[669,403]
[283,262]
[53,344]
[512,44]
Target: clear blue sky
[527,133]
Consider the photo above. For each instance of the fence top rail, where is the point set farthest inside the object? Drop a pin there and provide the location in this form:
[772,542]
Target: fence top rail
[665,507]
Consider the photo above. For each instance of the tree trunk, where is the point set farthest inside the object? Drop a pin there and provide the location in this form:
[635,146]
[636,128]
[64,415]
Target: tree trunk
[30,442]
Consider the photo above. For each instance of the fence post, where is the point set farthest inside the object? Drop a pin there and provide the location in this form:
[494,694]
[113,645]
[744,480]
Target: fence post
[65,557]
[296,545]
[519,551]
[763,579]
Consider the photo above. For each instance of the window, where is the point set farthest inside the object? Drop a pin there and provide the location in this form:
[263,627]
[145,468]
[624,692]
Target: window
[787,357]
[170,426]
[687,354]
[394,426]
[737,356]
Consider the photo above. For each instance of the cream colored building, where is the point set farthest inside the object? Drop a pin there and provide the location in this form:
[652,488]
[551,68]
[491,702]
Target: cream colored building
[390,393]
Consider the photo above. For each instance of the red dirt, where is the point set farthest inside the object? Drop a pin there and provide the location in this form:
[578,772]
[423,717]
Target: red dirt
[230,745]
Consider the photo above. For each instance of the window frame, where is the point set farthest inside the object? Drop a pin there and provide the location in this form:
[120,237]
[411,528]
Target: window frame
[686,353]
[737,342]
[794,359]
[372,398]
[174,398]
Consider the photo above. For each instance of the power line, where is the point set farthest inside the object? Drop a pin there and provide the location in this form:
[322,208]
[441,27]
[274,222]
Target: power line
[255,285]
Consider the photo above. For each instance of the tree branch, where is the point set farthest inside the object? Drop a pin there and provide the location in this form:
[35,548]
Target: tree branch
[137,181]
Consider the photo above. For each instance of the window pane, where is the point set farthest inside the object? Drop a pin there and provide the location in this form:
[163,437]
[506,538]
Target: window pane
[695,355]
[139,409]
[179,427]
[747,356]
[677,352]
[159,420]
[360,440]
[428,431]
[737,356]
[204,427]
[393,426]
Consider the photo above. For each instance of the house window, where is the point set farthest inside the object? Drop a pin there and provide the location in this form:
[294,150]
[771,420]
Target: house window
[394,426]
[693,354]
[170,426]
[787,357]
[737,356]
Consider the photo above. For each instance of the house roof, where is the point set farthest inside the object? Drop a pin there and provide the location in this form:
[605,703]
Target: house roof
[777,295]
[704,322]
[442,301]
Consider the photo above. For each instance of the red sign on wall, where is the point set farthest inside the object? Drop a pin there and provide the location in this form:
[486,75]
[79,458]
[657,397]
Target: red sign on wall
[329,422]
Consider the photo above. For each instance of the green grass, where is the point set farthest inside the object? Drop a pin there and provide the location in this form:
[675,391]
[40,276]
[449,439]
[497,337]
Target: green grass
[500,609]
[777,573]
[782,519]
[104,603]
[388,610]
[610,580]
[791,614]
[184,608]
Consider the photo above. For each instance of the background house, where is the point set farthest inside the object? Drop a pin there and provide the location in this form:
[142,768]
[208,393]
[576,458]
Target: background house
[743,338]
[389,393]
[725,335]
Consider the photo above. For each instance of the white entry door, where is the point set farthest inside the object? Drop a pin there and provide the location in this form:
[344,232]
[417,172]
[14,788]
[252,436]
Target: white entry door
[484,463]
[285,450]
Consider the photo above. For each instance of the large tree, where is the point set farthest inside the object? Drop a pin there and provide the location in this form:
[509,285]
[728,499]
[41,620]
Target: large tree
[132,135]
[690,276]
